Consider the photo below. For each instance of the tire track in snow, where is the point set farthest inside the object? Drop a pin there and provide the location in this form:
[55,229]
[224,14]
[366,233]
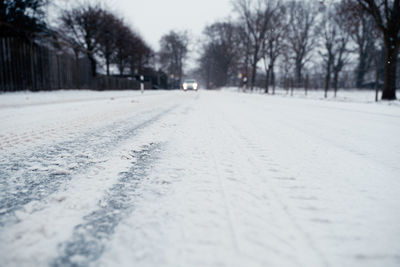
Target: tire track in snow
[243,146]
[250,185]
[34,175]
[308,241]
[54,128]
[322,208]
[227,203]
[89,239]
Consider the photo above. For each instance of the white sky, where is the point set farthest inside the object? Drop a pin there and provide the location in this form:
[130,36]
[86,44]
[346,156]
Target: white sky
[154,18]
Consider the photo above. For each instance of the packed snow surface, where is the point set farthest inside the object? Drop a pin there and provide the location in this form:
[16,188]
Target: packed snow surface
[204,178]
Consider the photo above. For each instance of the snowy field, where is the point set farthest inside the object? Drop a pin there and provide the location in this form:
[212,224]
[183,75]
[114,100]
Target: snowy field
[222,178]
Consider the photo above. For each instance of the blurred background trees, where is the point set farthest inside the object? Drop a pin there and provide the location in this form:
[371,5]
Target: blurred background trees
[301,35]
[218,60]
[334,46]
[22,18]
[386,15]
[102,36]
[256,18]
[285,44]
[174,48]
[83,26]
[314,44]
[41,57]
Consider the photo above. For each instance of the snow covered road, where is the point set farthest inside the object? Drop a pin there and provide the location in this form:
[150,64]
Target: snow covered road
[197,179]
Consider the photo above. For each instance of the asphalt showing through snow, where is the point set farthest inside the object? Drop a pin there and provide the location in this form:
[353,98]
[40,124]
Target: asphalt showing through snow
[89,239]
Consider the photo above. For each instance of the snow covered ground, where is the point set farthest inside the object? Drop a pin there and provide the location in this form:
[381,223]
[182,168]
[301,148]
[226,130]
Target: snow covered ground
[343,95]
[197,179]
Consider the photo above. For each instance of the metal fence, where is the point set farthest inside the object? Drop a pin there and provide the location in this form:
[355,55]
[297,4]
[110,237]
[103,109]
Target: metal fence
[29,66]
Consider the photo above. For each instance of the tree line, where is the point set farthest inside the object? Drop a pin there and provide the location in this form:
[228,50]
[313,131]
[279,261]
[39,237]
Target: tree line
[92,31]
[293,44]
[86,30]
[102,36]
[304,41]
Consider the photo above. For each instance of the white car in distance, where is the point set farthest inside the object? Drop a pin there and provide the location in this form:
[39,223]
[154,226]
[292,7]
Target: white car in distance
[190,85]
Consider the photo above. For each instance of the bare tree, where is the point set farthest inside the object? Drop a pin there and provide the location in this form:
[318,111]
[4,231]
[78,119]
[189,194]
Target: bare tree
[125,38]
[386,14]
[274,44]
[286,69]
[140,55]
[81,24]
[301,37]
[256,17]
[379,63]
[22,18]
[206,62]
[329,38]
[335,40]
[363,32]
[244,50]
[220,53]
[107,39]
[173,52]
[341,59]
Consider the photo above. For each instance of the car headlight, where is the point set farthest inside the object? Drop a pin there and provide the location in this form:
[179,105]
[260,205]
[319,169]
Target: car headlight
[195,85]
[184,86]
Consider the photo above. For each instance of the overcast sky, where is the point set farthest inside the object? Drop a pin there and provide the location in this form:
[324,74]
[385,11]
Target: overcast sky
[154,18]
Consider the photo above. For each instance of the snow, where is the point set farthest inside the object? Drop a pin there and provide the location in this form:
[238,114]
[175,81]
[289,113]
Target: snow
[343,95]
[222,178]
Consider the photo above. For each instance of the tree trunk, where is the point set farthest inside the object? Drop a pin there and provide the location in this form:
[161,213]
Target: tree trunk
[376,84]
[306,85]
[327,81]
[253,75]
[335,82]
[298,73]
[273,78]
[121,68]
[389,76]
[93,64]
[361,70]
[291,86]
[286,84]
[140,65]
[267,80]
[108,65]
[208,77]
[246,62]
